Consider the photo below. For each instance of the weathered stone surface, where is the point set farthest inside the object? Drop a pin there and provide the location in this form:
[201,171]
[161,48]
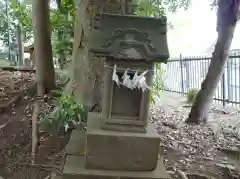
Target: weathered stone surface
[114,33]
[57,177]
[125,109]
[114,150]
[76,144]
[74,169]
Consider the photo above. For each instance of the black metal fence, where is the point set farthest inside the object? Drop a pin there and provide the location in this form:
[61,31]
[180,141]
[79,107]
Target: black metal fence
[186,73]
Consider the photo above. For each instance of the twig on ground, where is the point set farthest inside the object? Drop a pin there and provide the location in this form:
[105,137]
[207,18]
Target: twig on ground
[48,177]
[39,165]
[35,131]
[3,126]
[181,174]
[42,166]
[62,154]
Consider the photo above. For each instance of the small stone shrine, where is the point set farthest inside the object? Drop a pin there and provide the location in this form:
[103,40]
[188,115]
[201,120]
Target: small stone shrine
[119,141]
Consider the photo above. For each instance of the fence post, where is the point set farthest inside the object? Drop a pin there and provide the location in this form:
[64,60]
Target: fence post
[186,63]
[181,68]
[228,79]
[223,89]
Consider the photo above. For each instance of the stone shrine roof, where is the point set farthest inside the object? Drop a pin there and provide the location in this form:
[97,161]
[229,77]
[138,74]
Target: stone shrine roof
[130,37]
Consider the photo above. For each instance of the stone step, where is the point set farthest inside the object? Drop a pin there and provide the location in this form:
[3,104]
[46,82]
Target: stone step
[57,177]
[74,169]
[76,144]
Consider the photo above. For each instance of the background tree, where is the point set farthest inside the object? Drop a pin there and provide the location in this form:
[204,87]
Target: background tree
[45,74]
[157,8]
[227,16]
[23,11]
[62,21]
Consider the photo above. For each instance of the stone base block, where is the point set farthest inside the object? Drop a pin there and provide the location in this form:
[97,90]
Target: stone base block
[74,169]
[76,144]
[115,150]
[123,128]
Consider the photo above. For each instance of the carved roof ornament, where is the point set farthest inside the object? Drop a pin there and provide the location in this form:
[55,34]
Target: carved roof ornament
[130,37]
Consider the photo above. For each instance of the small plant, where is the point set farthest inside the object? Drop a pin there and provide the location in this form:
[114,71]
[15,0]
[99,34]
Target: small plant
[158,83]
[191,95]
[67,112]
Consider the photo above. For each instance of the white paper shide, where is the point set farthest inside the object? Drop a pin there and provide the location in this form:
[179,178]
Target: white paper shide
[138,81]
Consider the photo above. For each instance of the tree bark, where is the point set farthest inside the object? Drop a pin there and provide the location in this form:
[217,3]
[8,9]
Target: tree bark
[45,74]
[199,111]
[226,27]
[87,72]
[61,56]
[20,45]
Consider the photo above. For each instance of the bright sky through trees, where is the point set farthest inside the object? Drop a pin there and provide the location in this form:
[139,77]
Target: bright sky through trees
[195,30]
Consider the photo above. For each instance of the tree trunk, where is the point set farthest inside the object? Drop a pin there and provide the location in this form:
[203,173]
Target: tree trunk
[20,45]
[45,74]
[226,27]
[61,56]
[87,72]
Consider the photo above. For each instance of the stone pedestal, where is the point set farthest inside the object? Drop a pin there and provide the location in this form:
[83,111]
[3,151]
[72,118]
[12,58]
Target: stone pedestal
[114,150]
[74,169]
[75,165]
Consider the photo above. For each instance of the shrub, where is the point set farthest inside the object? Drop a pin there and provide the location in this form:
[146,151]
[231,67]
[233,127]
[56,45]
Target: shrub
[157,84]
[67,112]
[191,95]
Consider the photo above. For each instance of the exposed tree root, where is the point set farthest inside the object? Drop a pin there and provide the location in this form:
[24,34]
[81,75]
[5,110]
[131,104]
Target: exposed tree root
[35,115]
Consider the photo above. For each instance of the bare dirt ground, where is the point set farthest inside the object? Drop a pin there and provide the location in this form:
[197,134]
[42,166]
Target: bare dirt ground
[15,131]
[209,151]
[12,84]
